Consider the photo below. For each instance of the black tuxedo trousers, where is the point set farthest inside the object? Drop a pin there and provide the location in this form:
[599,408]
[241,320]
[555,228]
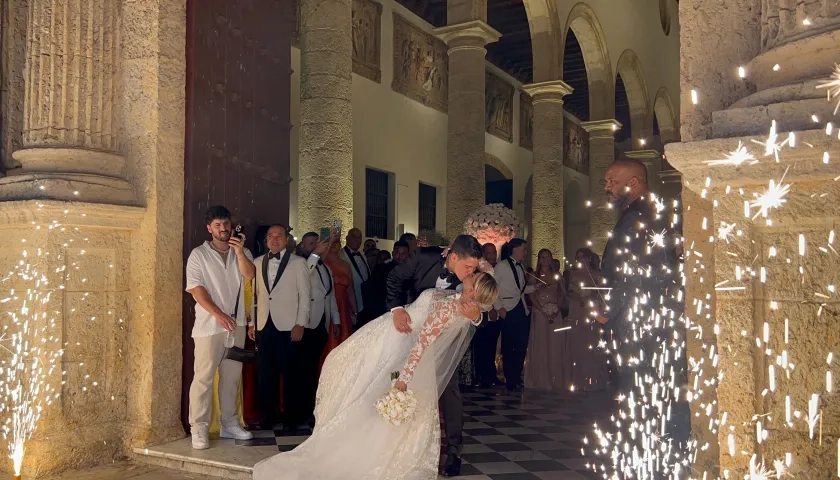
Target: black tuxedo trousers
[276,357]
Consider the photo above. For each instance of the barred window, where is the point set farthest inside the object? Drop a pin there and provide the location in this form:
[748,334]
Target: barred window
[377,203]
[428,208]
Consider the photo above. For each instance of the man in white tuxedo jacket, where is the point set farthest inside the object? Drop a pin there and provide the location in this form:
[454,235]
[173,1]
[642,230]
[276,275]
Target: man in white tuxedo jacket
[323,311]
[358,265]
[513,311]
[283,302]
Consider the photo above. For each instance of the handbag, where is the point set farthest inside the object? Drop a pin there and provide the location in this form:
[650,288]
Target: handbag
[239,354]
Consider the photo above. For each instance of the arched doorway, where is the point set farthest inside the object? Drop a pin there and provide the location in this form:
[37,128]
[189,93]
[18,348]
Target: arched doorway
[498,188]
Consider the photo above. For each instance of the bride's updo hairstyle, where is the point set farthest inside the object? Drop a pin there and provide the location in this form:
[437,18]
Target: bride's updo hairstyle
[486,291]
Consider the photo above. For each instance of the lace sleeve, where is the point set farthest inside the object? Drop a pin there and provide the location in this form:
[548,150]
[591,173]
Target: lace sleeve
[441,313]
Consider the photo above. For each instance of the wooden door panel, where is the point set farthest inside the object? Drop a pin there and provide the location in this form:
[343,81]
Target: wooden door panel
[238,125]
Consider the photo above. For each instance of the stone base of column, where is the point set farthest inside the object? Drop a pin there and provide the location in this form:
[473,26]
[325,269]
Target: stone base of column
[67,174]
[86,425]
[810,210]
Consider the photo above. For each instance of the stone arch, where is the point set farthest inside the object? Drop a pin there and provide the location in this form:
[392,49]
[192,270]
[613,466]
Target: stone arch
[630,68]
[575,219]
[666,117]
[498,164]
[593,43]
[545,47]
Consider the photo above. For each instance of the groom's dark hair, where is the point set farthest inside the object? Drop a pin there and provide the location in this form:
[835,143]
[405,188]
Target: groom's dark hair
[466,246]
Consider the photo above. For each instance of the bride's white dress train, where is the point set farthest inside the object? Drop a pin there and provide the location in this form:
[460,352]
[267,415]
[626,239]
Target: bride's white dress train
[351,441]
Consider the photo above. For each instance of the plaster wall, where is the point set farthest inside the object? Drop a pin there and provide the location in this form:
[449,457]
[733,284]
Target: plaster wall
[395,134]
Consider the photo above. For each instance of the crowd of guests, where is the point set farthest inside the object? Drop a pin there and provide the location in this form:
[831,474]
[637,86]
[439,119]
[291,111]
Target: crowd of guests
[544,319]
[311,295]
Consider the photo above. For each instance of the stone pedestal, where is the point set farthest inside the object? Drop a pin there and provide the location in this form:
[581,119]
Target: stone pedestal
[601,156]
[326,115]
[70,135]
[466,123]
[653,162]
[772,306]
[86,425]
[547,206]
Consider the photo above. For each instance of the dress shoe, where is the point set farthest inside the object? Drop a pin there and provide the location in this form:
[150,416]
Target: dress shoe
[452,467]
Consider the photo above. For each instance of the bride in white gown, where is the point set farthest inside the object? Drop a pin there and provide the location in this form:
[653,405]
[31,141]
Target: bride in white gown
[351,440]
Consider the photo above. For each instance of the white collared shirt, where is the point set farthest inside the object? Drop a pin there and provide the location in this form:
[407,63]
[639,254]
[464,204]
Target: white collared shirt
[274,266]
[206,268]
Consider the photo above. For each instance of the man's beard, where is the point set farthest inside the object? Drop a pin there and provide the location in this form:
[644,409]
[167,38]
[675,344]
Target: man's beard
[222,237]
[620,202]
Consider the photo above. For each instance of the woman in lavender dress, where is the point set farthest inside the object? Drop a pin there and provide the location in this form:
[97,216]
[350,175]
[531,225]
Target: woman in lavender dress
[548,364]
[590,364]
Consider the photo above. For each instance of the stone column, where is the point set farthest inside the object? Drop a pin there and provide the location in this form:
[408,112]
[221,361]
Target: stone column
[325,183]
[601,156]
[771,304]
[466,123]
[70,132]
[653,162]
[547,206]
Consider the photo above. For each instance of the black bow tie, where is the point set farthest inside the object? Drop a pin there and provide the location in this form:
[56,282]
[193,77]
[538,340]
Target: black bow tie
[272,256]
[356,254]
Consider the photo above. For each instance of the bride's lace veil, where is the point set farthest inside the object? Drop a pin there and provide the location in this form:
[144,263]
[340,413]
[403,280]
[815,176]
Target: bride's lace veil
[448,350]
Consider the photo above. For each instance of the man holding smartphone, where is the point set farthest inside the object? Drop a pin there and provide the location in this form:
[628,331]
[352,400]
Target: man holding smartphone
[216,274]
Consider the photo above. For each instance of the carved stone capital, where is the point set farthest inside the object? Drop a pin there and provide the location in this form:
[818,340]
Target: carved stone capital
[550,91]
[601,128]
[472,35]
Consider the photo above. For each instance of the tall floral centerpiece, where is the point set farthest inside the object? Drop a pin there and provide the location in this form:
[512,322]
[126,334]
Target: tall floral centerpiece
[494,224]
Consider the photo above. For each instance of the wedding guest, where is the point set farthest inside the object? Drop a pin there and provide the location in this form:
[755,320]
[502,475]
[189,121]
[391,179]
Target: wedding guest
[383,257]
[372,258]
[513,286]
[376,287]
[590,363]
[282,314]
[411,240]
[370,244]
[323,313]
[215,276]
[486,340]
[549,357]
[361,270]
[345,298]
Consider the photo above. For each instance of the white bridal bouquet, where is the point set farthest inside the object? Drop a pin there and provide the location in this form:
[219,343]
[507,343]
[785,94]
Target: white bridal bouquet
[397,407]
[550,309]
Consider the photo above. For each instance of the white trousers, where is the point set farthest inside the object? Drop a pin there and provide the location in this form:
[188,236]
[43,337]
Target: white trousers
[209,352]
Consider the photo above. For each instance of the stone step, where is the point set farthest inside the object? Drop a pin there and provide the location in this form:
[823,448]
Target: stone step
[223,459]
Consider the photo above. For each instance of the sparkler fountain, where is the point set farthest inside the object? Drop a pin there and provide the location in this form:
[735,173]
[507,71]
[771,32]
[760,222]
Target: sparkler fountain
[760,198]
[31,349]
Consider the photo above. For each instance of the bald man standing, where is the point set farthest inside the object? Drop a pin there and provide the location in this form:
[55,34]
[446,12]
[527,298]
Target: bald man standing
[644,305]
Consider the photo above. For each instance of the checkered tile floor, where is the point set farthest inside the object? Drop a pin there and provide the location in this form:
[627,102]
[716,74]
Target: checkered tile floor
[515,436]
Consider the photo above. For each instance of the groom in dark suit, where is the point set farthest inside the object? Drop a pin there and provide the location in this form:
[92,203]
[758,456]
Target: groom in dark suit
[429,268]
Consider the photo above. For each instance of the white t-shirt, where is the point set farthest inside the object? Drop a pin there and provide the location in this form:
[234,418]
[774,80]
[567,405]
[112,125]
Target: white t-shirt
[206,268]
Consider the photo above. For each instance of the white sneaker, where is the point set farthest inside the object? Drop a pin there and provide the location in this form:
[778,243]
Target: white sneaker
[236,432]
[200,436]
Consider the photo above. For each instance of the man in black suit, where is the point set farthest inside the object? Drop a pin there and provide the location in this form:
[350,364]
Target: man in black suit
[431,267]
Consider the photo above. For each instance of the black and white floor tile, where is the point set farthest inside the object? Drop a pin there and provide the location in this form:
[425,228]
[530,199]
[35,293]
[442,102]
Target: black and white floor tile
[514,436]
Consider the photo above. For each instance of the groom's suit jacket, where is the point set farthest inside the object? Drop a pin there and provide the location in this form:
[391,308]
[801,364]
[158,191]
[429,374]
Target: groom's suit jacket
[420,272]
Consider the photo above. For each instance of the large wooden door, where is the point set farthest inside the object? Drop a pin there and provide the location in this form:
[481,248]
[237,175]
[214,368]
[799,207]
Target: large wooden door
[238,124]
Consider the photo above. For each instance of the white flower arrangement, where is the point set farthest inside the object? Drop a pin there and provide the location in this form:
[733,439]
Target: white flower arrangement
[492,223]
[550,309]
[397,407]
